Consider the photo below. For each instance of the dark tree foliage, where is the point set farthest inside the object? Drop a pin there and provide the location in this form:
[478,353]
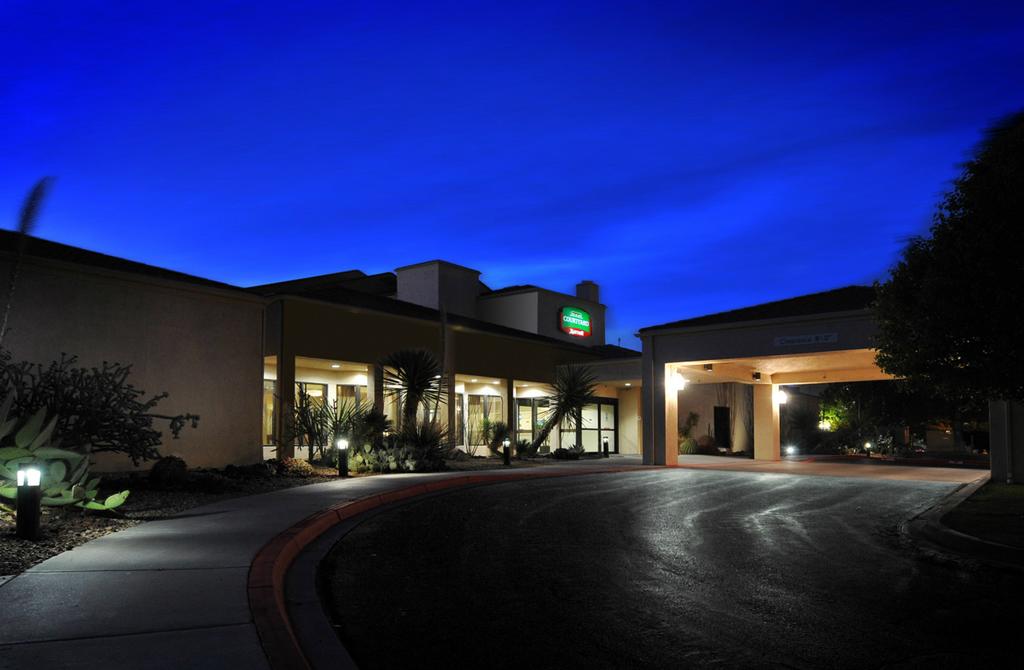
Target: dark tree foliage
[950,315]
[98,409]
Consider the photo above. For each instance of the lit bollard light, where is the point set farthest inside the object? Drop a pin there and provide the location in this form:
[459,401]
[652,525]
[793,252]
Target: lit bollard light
[604,441]
[507,443]
[342,458]
[30,495]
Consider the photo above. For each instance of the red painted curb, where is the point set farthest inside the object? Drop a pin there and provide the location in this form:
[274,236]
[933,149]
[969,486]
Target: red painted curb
[268,569]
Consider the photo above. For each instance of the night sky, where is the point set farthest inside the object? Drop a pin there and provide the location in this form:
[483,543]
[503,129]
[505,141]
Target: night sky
[689,157]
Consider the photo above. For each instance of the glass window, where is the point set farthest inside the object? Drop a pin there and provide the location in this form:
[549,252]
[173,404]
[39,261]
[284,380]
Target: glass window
[524,417]
[483,411]
[590,415]
[460,420]
[269,410]
[317,392]
[352,393]
[607,416]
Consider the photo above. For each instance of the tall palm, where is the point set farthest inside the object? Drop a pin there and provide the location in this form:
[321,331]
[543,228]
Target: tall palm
[415,376]
[26,223]
[572,388]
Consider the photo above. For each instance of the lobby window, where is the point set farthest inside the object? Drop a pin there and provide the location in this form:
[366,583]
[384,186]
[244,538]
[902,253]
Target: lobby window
[483,411]
[352,393]
[269,410]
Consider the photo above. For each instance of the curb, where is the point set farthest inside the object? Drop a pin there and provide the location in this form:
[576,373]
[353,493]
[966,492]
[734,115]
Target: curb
[266,581]
[927,528]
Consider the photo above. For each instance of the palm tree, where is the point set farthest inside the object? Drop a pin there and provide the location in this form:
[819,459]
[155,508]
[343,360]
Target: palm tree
[572,388]
[415,376]
[26,222]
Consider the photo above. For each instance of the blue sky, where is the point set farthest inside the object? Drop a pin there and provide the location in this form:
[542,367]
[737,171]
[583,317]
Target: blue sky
[689,157]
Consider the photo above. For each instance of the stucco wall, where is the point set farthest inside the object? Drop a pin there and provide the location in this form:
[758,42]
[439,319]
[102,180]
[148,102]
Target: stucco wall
[201,345]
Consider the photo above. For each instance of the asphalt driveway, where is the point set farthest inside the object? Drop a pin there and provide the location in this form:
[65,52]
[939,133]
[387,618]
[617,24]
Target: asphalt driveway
[674,568]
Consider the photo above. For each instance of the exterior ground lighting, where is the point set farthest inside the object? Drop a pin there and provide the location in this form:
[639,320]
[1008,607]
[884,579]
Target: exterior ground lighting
[791,450]
[867,445]
[507,443]
[342,445]
[29,497]
[604,442]
[825,425]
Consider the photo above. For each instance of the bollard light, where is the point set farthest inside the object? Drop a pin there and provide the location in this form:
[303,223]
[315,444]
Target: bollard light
[29,477]
[29,497]
[342,445]
[604,440]
[507,443]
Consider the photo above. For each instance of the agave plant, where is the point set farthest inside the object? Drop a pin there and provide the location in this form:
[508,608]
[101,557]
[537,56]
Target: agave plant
[416,377]
[572,388]
[65,474]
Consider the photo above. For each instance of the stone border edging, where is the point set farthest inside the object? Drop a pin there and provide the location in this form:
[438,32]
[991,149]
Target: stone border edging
[266,581]
[928,527]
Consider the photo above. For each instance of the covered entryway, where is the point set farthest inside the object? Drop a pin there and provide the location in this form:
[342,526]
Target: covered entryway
[821,338]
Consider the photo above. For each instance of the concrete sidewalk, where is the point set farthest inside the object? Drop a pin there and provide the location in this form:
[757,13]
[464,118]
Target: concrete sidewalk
[172,593]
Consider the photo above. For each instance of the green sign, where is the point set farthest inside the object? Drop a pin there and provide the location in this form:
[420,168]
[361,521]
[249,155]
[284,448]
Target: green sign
[575,322]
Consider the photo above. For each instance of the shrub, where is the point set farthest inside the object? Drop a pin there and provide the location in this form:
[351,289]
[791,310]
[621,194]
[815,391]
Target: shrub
[563,454]
[96,409]
[293,467]
[526,449]
[168,472]
[687,445]
[499,433]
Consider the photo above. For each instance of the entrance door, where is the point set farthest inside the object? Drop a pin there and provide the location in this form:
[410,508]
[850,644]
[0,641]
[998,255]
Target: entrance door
[600,423]
[723,428]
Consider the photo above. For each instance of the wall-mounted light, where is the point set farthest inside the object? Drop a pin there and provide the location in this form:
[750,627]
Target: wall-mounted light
[781,397]
[675,382]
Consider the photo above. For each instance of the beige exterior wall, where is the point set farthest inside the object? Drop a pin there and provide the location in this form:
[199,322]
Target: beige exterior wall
[201,345]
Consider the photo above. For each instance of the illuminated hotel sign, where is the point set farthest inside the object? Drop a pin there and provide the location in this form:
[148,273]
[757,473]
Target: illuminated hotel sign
[575,322]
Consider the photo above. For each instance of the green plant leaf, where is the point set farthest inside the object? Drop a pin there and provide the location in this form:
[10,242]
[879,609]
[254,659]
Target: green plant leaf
[7,426]
[30,430]
[7,473]
[43,437]
[50,453]
[92,504]
[58,501]
[57,471]
[116,500]
[80,472]
[55,490]
[92,484]
[5,409]
[9,492]
[11,453]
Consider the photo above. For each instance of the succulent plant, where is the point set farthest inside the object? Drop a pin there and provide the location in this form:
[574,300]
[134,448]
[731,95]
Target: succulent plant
[65,474]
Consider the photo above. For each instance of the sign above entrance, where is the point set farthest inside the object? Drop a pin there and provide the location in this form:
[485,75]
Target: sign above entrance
[575,322]
[797,340]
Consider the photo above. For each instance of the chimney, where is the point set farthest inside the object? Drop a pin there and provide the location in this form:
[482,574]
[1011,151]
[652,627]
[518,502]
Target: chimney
[588,290]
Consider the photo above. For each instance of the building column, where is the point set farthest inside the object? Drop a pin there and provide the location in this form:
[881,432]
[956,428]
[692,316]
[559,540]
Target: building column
[767,445]
[659,442]
[378,387]
[510,411]
[1006,441]
[453,429]
[285,401]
